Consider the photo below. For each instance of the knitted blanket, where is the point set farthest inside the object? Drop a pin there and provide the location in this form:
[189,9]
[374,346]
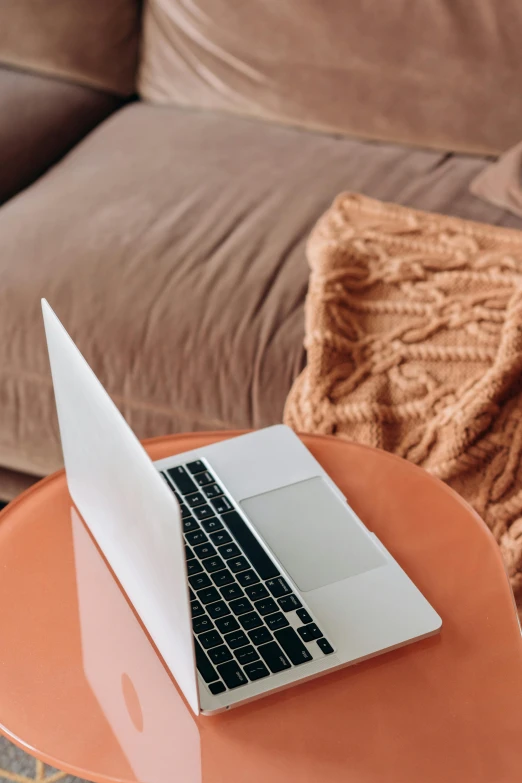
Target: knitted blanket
[414,342]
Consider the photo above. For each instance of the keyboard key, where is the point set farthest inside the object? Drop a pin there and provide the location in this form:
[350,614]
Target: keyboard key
[222,504]
[289,602]
[220,537]
[190,524]
[256,591]
[278,587]
[196,537]
[251,620]
[250,546]
[266,606]
[274,621]
[185,512]
[194,567]
[202,624]
[203,512]
[205,668]
[229,550]
[232,591]
[182,480]
[196,499]
[227,624]
[192,595]
[260,635]
[216,687]
[325,646]
[232,674]
[189,554]
[200,581]
[292,645]
[169,485]
[204,478]
[255,671]
[204,550]
[240,606]
[304,616]
[246,655]
[273,657]
[236,639]
[248,578]
[196,608]
[213,564]
[220,654]
[219,609]
[196,467]
[210,639]
[309,632]
[222,578]
[212,490]
[238,564]
[211,524]
[208,595]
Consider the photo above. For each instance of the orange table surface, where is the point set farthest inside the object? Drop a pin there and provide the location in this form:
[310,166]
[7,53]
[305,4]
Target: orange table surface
[82,688]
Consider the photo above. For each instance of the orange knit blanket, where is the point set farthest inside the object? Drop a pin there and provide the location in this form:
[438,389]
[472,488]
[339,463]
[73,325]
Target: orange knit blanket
[414,341]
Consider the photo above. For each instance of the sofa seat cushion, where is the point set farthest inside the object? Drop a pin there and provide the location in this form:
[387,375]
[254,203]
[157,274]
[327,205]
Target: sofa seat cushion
[172,245]
[40,120]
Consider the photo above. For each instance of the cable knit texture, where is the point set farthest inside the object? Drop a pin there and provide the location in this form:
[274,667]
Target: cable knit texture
[414,341]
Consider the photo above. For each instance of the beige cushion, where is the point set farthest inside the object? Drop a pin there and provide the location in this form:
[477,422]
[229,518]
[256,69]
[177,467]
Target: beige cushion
[93,42]
[438,73]
[172,245]
[41,119]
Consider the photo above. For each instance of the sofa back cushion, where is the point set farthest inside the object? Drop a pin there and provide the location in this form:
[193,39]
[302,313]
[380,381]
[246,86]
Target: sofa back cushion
[92,42]
[440,73]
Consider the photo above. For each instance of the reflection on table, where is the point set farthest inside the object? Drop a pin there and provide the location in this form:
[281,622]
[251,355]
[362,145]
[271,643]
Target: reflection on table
[134,690]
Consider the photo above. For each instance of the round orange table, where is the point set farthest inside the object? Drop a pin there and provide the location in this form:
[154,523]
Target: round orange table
[82,688]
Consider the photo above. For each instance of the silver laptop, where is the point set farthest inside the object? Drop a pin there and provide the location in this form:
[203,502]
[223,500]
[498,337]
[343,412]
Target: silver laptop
[243,559]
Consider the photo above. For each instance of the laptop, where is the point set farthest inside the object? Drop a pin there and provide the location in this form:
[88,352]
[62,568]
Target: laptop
[243,559]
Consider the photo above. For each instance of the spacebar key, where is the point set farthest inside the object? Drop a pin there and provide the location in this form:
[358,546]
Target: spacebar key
[250,545]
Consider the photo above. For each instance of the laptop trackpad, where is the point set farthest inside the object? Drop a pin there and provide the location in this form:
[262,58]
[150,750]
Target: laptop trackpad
[313,533]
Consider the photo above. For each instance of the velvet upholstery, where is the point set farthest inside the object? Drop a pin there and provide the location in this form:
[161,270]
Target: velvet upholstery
[93,42]
[440,73]
[41,119]
[172,245]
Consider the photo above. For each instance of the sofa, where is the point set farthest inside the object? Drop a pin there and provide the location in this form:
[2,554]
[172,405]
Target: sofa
[161,167]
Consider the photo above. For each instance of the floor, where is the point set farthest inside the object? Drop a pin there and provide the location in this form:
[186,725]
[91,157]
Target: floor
[17,766]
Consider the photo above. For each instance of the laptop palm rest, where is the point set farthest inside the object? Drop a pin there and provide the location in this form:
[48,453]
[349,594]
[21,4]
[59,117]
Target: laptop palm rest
[313,533]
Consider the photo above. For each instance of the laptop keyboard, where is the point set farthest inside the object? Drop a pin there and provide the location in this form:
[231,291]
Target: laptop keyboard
[247,622]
